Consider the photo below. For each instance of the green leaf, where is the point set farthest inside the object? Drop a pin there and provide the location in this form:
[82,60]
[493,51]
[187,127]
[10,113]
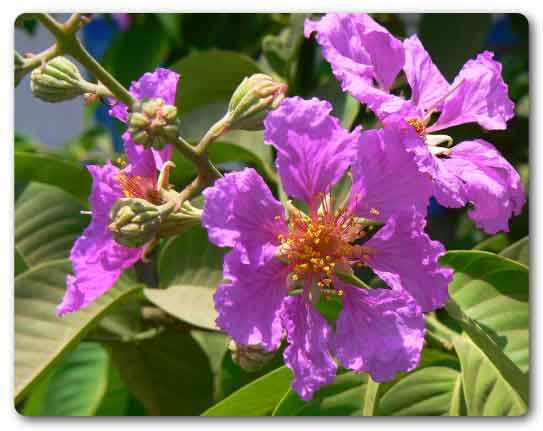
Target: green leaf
[190,268]
[515,378]
[41,338]
[519,251]
[48,169]
[138,50]
[343,397]
[494,244]
[487,391]
[47,222]
[117,397]
[172,25]
[169,373]
[430,391]
[19,263]
[235,146]
[210,76]
[255,399]
[78,385]
[494,291]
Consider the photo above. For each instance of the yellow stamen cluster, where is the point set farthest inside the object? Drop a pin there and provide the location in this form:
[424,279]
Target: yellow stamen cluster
[419,126]
[317,244]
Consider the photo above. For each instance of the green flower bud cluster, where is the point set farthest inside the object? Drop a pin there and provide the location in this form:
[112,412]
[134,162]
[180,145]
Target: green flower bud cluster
[58,80]
[135,221]
[253,99]
[249,357]
[153,123]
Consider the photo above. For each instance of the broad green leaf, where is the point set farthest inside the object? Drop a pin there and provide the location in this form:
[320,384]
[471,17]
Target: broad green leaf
[210,76]
[494,244]
[343,397]
[516,379]
[117,397]
[42,338]
[494,291]
[430,391]
[48,169]
[47,222]
[78,385]
[255,399]
[19,263]
[190,269]
[140,49]
[519,251]
[169,373]
[487,391]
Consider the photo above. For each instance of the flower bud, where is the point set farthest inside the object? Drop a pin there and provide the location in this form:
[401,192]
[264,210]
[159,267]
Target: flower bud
[57,80]
[253,99]
[249,357]
[134,221]
[153,123]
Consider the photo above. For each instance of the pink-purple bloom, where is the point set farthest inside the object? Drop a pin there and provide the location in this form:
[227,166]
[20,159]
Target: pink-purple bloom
[161,83]
[279,265]
[367,59]
[98,261]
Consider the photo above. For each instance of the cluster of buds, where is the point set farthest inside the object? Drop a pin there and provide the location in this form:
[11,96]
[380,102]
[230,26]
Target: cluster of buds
[249,357]
[135,222]
[253,99]
[153,124]
[58,80]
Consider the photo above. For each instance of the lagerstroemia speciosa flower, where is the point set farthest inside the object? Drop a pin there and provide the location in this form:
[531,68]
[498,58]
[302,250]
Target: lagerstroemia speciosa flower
[366,59]
[280,263]
[97,259]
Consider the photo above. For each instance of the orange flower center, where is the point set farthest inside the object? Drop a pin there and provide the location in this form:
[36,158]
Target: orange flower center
[139,187]
[319,243]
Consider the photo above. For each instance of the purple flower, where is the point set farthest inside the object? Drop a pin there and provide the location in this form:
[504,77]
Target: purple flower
[379,331]
[366,59]
[160,83]
[98,261]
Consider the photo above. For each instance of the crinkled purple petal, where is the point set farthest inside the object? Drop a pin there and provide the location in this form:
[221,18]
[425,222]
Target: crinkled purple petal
[405,257]
[249,303]
[427,83]
[314,151]
[361,53]
[480,96]
[97,260]
[489,182]
[240,211]
[310,340]
[358,48]
[385,176]
[379,331]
